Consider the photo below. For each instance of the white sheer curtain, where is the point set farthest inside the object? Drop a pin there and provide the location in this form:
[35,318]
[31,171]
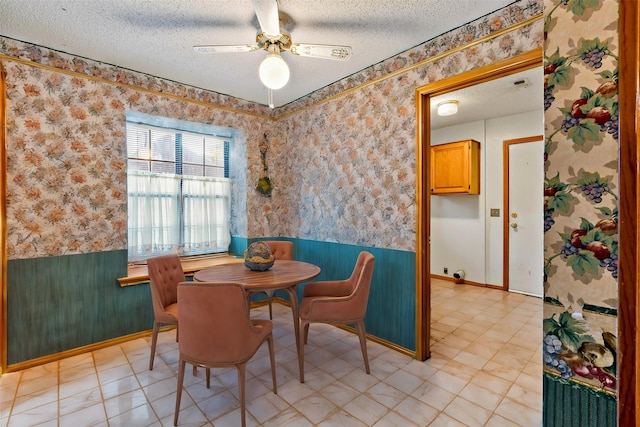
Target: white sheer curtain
[165,218]
[154,214]
[206,214]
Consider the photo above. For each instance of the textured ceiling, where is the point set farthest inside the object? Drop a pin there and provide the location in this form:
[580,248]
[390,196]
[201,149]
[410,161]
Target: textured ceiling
[513,94]
[156,36]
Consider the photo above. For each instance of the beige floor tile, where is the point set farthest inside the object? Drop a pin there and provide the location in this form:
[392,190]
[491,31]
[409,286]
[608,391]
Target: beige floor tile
[388,395]
[315,407]
[418,412]
[519,413]
[448,381]
[491,383]
[508,373]
[498,421]
[434,395]
[393,419]
[485,368]
[481,349]
[444,420]
[460,370]
[467,412]
[481,396]
[366,409]
[525,396]
[471,360]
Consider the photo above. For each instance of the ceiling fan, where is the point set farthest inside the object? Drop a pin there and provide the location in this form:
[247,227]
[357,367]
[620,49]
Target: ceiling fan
[274,72]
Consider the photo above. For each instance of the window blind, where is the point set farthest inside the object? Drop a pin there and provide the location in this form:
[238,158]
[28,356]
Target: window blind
[178,192]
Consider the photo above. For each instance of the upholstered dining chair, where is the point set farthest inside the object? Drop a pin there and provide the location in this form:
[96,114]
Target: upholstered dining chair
[280,249]
[338,302]
[216,331]
[165,272]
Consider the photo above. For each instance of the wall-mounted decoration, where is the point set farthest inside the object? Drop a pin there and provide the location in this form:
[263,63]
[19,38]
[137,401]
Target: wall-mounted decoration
[264,186]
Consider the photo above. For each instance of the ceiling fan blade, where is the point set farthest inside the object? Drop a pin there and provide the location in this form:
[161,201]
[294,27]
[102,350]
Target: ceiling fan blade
[267,13]
[324,51]
[233,48]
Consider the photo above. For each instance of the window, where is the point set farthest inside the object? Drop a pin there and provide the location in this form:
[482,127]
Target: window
[178,186]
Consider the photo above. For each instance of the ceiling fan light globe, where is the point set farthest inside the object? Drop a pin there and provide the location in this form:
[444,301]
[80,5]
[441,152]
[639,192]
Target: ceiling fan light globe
[274,72]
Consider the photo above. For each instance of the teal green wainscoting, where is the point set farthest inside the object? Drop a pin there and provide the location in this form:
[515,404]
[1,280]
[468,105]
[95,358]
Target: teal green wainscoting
[238,245]
[569,404]
[391,312]
[64,302]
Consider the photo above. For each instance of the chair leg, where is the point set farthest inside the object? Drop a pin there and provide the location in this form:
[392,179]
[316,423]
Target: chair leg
[241,380]
[306,333]
[154,340]
[304,328]
[179,391]
[208,373]
[273,363]
[363,344]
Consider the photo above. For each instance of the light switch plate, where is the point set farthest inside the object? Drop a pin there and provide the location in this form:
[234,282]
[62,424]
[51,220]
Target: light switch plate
[495,212]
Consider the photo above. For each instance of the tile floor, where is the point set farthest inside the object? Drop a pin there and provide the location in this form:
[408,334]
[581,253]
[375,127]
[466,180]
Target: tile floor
[485,370]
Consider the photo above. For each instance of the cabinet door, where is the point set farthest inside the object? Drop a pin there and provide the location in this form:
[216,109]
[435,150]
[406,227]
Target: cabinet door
[454,168]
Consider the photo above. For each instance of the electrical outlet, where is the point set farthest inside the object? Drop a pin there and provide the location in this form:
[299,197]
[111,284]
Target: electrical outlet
[446,270]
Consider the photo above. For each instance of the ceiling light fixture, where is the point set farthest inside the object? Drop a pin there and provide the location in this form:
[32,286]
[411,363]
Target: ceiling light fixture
[447,108]
[274,72]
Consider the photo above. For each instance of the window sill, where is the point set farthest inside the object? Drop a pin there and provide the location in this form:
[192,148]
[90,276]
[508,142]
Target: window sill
[138,274]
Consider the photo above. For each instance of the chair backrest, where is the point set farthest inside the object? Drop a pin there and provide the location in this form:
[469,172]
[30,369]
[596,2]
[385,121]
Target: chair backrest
[360,282]
[165,272]
[214,322]
[280,249]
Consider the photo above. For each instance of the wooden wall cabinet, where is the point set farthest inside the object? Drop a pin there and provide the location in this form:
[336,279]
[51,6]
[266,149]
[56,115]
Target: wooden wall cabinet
[455,168]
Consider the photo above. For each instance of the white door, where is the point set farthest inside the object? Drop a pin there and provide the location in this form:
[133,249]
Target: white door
[525,217]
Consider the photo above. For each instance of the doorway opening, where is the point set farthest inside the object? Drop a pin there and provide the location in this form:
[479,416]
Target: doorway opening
[424,96]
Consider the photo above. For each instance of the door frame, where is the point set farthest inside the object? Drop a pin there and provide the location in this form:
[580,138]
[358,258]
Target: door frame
[629,214]
[424,94]
[505,202]
[3,224]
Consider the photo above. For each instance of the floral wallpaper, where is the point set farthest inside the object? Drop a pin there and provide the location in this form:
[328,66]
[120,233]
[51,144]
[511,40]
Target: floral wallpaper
[353,158]
[482,27]
[107,72]
[341,161]
[66,166]
[581,194]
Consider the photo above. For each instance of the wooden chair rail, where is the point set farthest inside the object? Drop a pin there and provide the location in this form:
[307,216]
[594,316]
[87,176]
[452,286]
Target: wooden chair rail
[138,274]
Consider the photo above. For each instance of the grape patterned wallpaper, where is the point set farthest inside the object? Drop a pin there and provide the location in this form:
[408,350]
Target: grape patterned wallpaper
[581,196]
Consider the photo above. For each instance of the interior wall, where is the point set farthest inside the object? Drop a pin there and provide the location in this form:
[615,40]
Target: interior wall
[498,130]
[463,233]
[581,288]
[343,170]
[66,151]
[458,220]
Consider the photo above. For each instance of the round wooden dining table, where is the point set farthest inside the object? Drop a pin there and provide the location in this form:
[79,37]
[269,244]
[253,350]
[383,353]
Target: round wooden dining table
[283,275]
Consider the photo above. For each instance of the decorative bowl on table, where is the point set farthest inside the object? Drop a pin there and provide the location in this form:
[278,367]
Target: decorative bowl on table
[258,257]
